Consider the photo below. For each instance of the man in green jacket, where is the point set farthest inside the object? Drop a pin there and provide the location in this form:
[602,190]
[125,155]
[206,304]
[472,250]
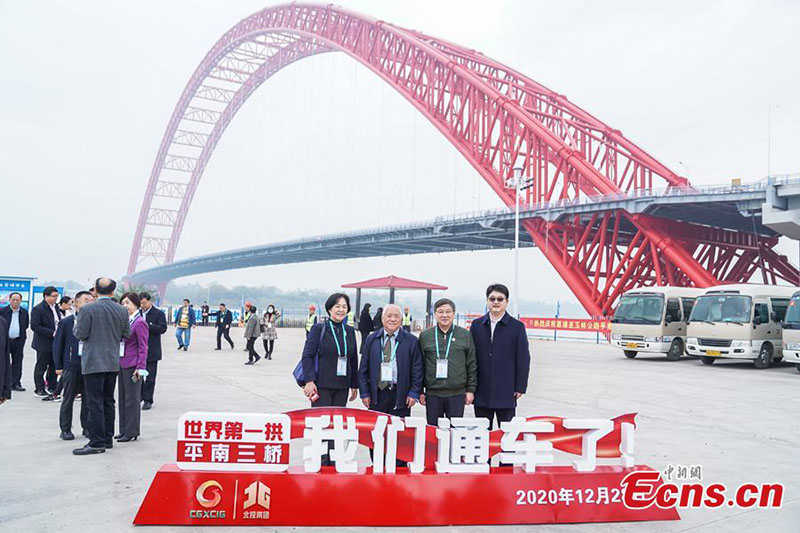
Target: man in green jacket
[451,374]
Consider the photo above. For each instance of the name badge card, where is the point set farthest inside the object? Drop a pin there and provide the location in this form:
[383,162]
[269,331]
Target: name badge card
[341,367]
[386,372]
[441,369]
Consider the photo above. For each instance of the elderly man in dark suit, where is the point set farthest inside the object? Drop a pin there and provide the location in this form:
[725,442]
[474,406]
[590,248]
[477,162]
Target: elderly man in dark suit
[503,358]
[391,372]
[157,324]
[45,317]
[18,321]
[5,363]
[102,326]
[67,358]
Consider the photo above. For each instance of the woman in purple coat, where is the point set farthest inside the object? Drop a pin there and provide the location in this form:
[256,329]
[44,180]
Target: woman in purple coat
[133,365]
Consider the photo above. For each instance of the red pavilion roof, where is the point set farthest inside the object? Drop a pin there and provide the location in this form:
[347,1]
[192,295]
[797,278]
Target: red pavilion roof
[394,282]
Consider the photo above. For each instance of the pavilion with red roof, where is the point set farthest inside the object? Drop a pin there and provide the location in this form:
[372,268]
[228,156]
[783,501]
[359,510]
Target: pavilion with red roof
[394,283]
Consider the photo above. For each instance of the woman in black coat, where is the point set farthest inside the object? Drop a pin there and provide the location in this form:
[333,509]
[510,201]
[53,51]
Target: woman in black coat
[377,322]
[364,325]
[330,359]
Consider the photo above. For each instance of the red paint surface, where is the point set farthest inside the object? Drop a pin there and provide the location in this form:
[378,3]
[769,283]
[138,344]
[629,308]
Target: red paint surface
[403,499]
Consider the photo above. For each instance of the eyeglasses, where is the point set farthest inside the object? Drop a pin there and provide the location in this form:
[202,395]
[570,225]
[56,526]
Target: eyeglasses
[497,299]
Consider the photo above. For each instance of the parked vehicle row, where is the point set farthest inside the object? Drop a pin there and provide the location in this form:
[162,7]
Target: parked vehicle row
[760,323]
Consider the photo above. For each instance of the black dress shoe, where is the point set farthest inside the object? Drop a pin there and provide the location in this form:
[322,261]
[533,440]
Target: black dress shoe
[249,363]
[127,438]
[258,358]
[118,436]
[67,435]
[146,406]
[185,348]
[232,346]
[40,392]
[87,450]
[180,347]
[18,388]
[217,349]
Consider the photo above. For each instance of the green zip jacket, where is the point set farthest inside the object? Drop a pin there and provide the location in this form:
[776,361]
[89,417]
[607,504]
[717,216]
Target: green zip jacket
[462,373]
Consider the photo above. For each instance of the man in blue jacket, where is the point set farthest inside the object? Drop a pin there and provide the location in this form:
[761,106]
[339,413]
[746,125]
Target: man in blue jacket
[391,372]
[66,356]
[503,358]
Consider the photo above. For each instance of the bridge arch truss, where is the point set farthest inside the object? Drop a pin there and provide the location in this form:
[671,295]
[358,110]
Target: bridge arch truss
[497,118]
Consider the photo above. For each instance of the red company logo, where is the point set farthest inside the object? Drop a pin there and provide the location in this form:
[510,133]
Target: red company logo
[202,496]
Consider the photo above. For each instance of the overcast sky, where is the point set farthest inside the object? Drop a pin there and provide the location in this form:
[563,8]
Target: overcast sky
[87,88]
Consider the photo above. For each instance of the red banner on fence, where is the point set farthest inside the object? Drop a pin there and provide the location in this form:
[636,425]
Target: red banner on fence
[598,325]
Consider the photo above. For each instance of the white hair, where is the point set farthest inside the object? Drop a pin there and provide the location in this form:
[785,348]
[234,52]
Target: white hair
[393,306]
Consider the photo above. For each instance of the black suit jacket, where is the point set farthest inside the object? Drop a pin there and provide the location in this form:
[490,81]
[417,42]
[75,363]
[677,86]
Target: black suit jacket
[43,326]
[24,320]
[223,319]
[157,324]
[5,361]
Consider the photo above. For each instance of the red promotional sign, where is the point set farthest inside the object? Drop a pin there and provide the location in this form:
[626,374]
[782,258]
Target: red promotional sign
[555,494]
[596,325]
[568,324]
[233,469]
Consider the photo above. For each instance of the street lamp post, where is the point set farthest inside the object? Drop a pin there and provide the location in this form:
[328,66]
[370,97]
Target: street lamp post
[516,183]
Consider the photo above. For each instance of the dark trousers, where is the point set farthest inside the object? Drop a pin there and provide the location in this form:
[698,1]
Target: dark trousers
[98,394]
[386,403]
[330,398]
[72,384]
[437,407]
[44,370]
[252,354]
[226,333]
[205,320]
[130,399]
[16,346]
[268,346]
[149,385]
[502,415]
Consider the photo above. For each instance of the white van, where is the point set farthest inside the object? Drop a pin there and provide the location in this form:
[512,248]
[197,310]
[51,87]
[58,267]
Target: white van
[739,322]
[652,320]
[791,332]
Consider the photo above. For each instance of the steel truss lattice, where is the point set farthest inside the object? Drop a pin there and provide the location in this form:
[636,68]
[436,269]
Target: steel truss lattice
[497,118]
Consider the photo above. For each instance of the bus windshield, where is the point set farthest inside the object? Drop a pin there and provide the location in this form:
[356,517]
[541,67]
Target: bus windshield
[721,308]
[793,312]
[639,309]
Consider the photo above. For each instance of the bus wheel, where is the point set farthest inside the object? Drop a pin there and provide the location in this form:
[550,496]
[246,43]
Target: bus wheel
[630,354]
[707,360]
[797,366]
[675,350]
[764,359]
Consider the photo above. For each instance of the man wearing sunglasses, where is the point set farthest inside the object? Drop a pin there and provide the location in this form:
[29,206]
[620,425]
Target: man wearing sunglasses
[501,346]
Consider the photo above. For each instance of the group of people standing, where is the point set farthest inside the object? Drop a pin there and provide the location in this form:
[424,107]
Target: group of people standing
[87,351]
[445,369]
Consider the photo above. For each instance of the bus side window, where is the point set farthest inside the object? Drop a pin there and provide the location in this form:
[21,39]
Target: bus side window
[673,309]
[779,306]
[688,305]
[762,312]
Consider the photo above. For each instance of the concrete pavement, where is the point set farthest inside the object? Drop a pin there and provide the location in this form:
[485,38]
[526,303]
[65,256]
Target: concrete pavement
[740,424]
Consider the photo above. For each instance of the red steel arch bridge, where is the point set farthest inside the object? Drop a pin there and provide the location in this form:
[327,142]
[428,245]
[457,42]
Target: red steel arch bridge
[498,119]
